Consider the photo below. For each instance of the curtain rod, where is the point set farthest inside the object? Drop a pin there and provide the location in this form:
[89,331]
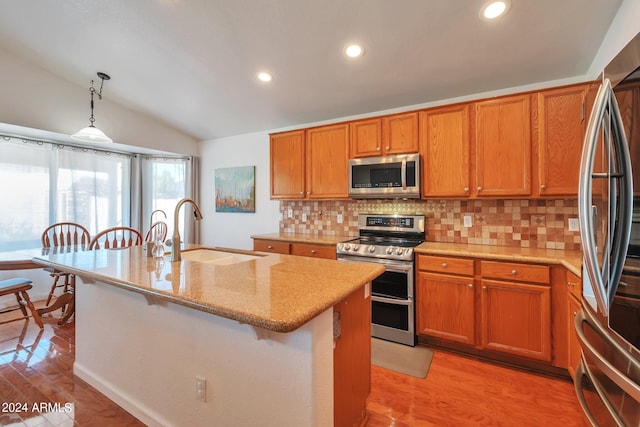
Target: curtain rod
[62,144]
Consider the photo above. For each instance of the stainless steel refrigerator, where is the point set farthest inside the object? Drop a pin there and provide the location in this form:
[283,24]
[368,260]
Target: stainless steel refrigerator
[607,380]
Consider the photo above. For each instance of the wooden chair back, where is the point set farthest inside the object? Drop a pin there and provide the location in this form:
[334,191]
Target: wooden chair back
[158,231]
[116,238]
[65,234]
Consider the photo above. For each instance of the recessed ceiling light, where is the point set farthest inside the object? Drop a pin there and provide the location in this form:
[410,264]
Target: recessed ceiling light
[264,76]
[354,50]
[494,9]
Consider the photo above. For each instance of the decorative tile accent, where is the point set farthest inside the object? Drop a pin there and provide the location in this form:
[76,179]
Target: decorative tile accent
[523,223]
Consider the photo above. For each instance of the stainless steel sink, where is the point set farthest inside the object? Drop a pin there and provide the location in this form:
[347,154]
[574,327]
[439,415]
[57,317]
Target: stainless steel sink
[213,256]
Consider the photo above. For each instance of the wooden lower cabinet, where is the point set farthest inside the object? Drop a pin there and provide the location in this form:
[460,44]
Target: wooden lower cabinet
[446,308]
[352,359]
[573,343]
[516,318]
[316,251]
[292,248]
[489,306]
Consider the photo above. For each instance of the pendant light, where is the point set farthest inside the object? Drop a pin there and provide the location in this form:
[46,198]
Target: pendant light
[92,133]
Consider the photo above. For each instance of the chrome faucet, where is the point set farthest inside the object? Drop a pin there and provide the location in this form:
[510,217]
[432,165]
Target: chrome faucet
[175,240]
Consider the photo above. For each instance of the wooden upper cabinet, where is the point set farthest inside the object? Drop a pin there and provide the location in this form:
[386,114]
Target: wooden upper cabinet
[366,138]
[327,155]
[400,133]
[502,142]
[444,145]
[561,124]
[394,134]
[287,157]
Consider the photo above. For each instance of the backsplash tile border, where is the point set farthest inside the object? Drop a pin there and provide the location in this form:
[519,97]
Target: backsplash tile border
[519,223]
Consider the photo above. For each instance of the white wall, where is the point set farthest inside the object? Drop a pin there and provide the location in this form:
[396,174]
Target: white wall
[234,230]
[625,26]
[33,97]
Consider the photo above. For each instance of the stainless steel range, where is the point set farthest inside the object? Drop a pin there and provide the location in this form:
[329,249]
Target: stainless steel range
[389,240]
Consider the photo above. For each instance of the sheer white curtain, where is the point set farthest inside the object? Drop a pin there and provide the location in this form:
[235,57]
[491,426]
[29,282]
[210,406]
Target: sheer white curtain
[45,182]
[163,182]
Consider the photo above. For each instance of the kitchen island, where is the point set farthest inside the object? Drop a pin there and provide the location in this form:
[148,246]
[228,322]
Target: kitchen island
[242,339]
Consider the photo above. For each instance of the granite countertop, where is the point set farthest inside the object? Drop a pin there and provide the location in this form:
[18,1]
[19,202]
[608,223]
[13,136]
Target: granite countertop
[314,239]
[572,260]
[272,291]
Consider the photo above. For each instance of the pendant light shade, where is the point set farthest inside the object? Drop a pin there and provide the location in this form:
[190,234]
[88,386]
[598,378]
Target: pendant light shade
[92,133]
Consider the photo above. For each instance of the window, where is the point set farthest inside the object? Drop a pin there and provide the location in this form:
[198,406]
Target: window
[44,183]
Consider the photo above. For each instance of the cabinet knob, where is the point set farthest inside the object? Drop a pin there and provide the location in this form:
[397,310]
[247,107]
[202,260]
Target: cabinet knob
[514,272]
[269,247]
[302,193]
[479,188]
[466,189]
[308,193]
[575,313]
[387,148]
[542,187]
[484,288]
[377,148]
[444,265]
[470,285]
[313,251]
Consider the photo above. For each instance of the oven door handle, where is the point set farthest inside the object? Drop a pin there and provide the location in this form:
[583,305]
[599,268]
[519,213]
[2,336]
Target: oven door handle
[398,267]
[392,300]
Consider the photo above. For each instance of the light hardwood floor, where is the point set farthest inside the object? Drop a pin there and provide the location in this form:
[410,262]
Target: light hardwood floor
[36,369]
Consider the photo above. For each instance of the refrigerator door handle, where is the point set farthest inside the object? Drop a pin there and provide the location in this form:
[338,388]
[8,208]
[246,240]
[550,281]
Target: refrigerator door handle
[587,226]
[607,368]
[583,370]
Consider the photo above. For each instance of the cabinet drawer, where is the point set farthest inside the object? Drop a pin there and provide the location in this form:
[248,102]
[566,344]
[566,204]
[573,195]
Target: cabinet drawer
[317,251]
[515,271]
[449,265]
[574,285]
[274,246]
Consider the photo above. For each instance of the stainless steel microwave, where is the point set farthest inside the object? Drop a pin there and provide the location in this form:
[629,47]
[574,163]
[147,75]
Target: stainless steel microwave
[384,177]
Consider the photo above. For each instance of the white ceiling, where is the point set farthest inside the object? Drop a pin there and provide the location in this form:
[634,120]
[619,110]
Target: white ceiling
[192,63]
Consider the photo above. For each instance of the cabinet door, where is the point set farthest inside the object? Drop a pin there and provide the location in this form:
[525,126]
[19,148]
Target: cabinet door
[327,153]
[444,135]
[445,307]
[516,318]
[287,165]
[366,138]
[574,344]
[503,147]
[400,133]
[561,127]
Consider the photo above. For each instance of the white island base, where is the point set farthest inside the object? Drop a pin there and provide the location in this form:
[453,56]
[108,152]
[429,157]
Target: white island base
[147,359]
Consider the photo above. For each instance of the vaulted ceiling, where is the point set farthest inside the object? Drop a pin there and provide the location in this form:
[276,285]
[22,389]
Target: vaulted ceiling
[193,63]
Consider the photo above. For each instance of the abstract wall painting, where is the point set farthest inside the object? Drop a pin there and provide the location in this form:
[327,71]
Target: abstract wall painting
[235,189]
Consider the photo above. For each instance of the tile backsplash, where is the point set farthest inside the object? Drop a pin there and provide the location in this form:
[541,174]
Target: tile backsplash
[522,223]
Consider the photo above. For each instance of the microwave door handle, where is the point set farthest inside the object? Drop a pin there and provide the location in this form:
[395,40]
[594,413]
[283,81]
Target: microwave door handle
[403,174]
[585,203]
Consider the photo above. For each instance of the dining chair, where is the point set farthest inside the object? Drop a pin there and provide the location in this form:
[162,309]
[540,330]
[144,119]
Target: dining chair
[116,238]
[63,235]
[157,231]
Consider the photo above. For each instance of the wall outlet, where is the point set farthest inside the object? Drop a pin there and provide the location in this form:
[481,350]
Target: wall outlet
[468,220]
[339,218]
[201,389]
[574,224]
[289,213]
[304,217]
[280,216]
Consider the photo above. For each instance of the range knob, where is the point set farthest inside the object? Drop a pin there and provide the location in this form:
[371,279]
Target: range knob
[399,251]
[356,247]
[372,249]
[389,250]
[347,246]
